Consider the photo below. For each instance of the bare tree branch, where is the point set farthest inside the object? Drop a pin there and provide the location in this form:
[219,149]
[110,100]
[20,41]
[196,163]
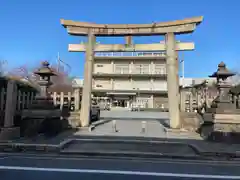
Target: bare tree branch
[235,80]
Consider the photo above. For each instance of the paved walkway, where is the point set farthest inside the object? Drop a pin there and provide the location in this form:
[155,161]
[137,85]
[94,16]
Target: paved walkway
[130,124]
[154,128]
[126,114]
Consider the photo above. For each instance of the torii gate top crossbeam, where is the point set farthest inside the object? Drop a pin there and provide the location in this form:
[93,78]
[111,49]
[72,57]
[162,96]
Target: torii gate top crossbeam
[162,28]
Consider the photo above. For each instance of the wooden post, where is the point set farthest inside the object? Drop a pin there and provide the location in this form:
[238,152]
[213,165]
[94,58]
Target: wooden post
[55,98]
[2,98]
[23,100]
[61,100]
[10,100]
[31,97]
[28,99]
[76,98]
[191,102]
[69,99]
[19,100]
[183,100]
[9,132]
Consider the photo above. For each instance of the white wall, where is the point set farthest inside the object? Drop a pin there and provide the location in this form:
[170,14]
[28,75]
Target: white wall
[122,67]
[102,84]
[142,84]
[160,85]
[103,66]
[122,84]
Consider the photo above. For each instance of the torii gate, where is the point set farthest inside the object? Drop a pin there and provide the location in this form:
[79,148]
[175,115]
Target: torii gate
[168,29]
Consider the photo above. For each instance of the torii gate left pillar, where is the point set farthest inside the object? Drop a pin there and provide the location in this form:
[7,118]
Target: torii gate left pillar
[87,83]
[172,80]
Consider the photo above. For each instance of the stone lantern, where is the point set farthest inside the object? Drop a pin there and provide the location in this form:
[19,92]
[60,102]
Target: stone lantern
[223,100]
[42,116]
[45,73]
[222,119]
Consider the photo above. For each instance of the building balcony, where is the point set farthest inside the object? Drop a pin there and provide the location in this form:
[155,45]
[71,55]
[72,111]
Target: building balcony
[130,91]
[115,75]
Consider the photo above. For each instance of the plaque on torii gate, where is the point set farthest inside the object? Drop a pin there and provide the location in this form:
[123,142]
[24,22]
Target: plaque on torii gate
[168,29]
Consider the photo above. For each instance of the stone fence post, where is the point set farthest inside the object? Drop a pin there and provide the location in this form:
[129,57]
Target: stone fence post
[9,131]
[10,104]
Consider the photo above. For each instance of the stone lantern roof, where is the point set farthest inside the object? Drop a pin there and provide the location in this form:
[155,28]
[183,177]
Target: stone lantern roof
[222,71]
[45,70]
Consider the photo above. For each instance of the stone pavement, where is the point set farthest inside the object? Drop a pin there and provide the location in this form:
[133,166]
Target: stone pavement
[126,114]
[130,124]
[133,128]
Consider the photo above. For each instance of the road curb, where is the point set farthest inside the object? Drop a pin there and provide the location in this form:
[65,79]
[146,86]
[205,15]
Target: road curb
[59,148]
[20,147]
[127,142]
[130,154]
[31,147]
[90,128]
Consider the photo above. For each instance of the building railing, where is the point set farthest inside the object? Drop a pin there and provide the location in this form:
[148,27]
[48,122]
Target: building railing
[70,100]
[130,54]
[163,72]
[130,89]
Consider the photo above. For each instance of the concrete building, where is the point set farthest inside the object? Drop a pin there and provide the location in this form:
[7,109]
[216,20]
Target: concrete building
[144,87]
[187,82]
[128,79]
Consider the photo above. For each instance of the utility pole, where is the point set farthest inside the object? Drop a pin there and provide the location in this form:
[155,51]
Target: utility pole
[183,73]
[58,62]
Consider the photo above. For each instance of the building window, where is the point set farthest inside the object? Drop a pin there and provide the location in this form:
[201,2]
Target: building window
[160,69]
[98,85]
[141,68]
[122,68]
[99,65]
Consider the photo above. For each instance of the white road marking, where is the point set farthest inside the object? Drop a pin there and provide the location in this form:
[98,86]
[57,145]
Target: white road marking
[139,173]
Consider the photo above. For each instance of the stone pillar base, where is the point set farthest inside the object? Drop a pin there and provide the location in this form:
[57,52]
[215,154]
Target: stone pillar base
[9,133]
[190,121]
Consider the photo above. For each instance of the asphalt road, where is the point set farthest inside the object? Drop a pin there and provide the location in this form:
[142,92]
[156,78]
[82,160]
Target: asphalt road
[61,168]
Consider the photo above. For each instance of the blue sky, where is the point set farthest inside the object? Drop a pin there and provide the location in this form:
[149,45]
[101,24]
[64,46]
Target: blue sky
[30,31]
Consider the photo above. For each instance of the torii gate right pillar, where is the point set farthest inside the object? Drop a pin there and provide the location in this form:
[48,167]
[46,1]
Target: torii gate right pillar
[172,81]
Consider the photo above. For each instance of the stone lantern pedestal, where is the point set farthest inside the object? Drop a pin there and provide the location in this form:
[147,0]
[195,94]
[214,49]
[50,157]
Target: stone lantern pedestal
[42,116]
[223,118]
